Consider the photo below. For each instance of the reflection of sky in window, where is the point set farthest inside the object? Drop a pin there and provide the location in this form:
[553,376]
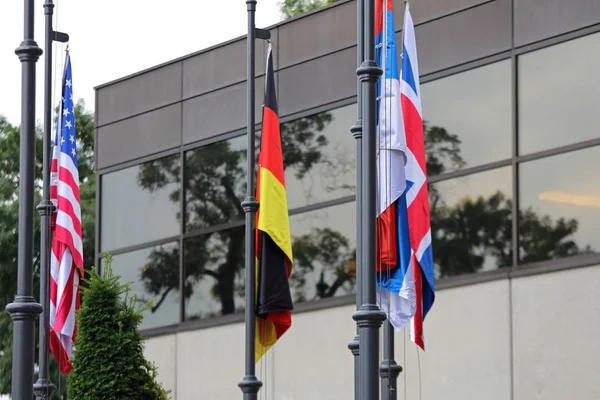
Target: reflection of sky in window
[131,215]
[339,218]
[470,187]
[566,186]
[129,267]
[559,93]
[333,177]
[476,106]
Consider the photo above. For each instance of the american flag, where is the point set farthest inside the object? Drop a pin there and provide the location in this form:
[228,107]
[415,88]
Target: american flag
[66,265]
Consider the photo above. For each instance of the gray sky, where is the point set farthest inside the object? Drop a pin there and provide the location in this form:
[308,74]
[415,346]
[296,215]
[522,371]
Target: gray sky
[114,38]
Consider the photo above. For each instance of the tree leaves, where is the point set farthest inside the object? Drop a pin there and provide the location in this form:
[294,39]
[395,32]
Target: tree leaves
[109,357]
[292,8]
[9,211]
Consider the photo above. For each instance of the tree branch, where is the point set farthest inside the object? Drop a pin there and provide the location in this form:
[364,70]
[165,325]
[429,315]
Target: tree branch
[162,299]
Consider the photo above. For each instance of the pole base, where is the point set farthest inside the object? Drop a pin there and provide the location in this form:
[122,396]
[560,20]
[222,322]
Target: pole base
[43,389]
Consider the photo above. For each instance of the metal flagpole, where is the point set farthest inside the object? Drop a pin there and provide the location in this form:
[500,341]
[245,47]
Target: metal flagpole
[250,385]
[356,131]
[44,388]
[369,317]
[389,370]
[24,309]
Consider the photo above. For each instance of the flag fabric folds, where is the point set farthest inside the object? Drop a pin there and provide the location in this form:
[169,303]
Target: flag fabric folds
[273,239]
[405,280]
[66,264]
[395,281]
[417,197]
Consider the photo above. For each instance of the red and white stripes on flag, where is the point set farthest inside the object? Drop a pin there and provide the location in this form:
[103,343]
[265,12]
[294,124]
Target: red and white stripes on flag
[66,265]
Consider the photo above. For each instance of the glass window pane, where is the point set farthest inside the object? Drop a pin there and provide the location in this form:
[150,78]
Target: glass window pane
[319,157]
[471,223]
[155,275]
[140,204]
[324,249]
[468,118]
[215,183]
[559,93]
[214,274]
[560,211]
[323,243]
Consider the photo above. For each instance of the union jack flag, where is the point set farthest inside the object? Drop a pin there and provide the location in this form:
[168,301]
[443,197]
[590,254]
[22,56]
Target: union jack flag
[417,198]
[66,265]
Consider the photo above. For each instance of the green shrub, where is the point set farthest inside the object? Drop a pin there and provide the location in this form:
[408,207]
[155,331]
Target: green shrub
[108,358]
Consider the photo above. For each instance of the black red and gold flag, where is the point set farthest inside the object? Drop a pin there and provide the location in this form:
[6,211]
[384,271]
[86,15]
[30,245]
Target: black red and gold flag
[273,239]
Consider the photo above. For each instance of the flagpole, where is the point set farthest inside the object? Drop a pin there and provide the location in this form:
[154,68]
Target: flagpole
[24,309]
[356,131]
[44,388]
[250,385]
[389,370]
[369,317]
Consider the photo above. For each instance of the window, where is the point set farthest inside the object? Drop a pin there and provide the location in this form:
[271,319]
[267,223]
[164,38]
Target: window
[140,204]
[468,118]
[215,184]
[155,275]
[319,157]
[324,250]
[560,206]
[559,93]
[471,223]
[214,274]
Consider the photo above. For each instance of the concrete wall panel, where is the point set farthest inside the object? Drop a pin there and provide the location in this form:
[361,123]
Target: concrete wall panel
[324,80]
[556,328]
[320,34]
[538,20]
[139,94]
[219,112]
[223,66]
[463,37]
[139,136]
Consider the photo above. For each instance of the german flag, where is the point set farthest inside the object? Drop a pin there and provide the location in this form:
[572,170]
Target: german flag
[273,241]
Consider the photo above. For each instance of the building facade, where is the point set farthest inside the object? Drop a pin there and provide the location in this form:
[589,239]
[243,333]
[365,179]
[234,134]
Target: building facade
[510,96]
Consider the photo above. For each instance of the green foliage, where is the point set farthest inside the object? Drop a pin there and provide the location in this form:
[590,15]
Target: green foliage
[108,359]
[9,207]
[292,8]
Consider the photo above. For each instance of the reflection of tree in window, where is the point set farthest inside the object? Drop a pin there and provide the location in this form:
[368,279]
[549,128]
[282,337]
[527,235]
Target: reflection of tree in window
[214,187]
[467,232]
[463,233]
[331,251]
